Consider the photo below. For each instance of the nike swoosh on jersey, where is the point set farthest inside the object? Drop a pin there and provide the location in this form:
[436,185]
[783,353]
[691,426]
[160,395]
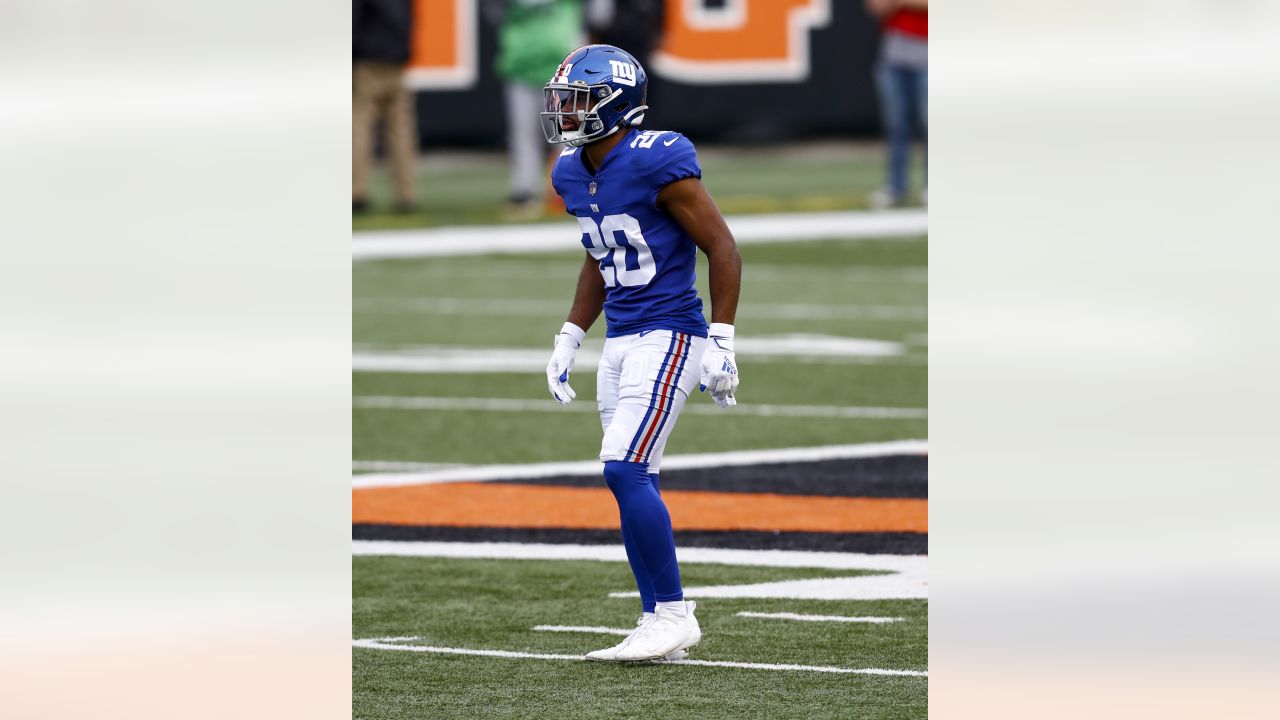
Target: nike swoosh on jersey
[673,140]
[645,332]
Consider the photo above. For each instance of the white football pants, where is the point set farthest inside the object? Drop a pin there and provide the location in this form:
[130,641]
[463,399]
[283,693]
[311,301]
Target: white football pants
[641,386]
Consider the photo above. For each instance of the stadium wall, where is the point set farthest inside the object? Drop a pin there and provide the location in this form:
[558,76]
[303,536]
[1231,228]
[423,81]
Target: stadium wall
[746,71]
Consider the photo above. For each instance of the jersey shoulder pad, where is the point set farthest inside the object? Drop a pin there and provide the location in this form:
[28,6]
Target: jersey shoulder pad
[659,143]
[665,157]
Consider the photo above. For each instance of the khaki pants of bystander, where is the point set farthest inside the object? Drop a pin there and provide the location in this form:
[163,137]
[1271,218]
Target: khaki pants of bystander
[378,93]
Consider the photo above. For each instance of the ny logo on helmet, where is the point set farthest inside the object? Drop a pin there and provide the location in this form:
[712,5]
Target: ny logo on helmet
[624,73]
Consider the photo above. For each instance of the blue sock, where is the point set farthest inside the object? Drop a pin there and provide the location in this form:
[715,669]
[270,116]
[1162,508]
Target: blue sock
[637,569]
[646,531]
[647,602]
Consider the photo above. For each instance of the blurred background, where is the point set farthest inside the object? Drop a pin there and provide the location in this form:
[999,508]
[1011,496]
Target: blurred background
[791,103]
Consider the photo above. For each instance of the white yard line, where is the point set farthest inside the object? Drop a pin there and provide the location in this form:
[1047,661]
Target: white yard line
[463,361]
[798,668]
[564,236]
[820,618]
[482,473]
[905,577]
[754,272]
[584,629]
[450,359]
[766,272]
[399,466]
[907,564]
[379,402]
[796,347]
[388,644]
[811,311]
[894,586]
[538,308]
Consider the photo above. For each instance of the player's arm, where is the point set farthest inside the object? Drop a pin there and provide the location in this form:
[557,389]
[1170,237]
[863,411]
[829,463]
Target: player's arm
[588,300]
[691,205]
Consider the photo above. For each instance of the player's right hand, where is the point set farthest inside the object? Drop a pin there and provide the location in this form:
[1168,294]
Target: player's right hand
[566,347]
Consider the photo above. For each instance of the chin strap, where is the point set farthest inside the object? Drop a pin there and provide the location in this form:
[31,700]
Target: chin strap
[579,142]
[626,120]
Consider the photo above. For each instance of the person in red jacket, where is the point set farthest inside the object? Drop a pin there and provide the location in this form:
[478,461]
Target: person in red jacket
[902,76]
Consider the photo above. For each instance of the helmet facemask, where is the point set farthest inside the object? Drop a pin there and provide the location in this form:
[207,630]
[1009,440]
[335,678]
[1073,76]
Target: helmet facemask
[578,106]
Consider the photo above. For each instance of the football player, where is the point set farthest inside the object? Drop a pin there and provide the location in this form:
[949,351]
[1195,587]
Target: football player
[644,214]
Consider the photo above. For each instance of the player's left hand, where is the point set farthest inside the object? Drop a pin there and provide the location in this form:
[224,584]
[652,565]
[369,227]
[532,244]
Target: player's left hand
[719,367]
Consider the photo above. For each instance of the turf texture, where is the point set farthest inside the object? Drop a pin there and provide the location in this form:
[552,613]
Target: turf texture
[834,287]
[493,604]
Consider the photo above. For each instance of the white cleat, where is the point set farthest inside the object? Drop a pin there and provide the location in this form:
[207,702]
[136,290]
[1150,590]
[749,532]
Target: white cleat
[611,654]
[668,633]
[883,199]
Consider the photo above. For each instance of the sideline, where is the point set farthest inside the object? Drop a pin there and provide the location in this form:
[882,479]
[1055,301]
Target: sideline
[482,473]
[794,347]
[564,236]
[389,644]
[904,577]
[391,402]
[533,307]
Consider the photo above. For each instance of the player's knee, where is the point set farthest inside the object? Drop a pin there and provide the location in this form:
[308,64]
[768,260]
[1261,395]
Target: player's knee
[624,478]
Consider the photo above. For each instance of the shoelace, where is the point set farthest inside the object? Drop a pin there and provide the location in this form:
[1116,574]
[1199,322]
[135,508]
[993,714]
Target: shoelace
[648,629]
[640,625]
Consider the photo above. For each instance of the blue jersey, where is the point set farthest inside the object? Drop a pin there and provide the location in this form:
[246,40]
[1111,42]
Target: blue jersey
[646,258]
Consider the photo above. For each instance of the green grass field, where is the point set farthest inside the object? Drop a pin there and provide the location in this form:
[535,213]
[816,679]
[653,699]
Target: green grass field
[844,276]
[470,188]
[483,604]
[837,288]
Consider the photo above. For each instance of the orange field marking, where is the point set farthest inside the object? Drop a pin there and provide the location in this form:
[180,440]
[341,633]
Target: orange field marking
[549,506]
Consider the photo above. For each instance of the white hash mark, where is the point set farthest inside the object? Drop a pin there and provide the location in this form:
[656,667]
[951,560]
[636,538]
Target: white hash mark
[385,644]
[593,630]
[819,618]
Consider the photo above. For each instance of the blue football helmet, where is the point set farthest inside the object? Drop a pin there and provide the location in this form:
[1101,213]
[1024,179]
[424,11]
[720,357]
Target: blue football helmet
[597,90]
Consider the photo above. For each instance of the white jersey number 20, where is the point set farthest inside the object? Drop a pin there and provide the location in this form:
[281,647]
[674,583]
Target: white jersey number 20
[616,253]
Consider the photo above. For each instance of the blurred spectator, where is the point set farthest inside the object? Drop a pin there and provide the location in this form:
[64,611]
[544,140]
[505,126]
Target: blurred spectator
[634,26]
[902,77]
[533,37]
[380,41]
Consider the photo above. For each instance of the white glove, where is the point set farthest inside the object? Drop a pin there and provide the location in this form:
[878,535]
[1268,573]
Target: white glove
[719,368]
[567,343]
